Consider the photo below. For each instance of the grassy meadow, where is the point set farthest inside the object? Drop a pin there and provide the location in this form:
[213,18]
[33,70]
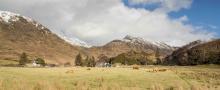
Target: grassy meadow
[127,78]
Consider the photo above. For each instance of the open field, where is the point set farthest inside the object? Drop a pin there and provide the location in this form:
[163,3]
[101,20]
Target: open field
[144,78]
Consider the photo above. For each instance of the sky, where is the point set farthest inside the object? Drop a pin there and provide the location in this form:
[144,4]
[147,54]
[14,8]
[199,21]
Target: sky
[175,22]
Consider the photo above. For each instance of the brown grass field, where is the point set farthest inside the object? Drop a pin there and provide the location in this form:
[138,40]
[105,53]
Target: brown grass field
[204,77]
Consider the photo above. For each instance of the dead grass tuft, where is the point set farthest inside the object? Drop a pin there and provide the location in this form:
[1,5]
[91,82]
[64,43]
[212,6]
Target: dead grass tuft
[88,69]
[178,87]
[69,72]
[157,70]
[135,67]
[156,87]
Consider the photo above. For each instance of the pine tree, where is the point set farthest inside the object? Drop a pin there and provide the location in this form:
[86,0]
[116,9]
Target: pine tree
[78,60]
[86,62]
[23,59]
[91,62]
[157,55]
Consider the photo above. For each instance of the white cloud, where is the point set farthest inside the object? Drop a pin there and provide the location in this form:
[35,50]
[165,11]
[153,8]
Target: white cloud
[100,21]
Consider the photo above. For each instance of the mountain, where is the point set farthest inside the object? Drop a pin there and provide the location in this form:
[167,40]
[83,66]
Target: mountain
[141,42]
[20,34]
[197,52]
[129,43]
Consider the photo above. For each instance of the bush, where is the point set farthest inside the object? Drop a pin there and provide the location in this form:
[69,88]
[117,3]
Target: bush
[67,64]
[135,67]
[40,61]
[88,69]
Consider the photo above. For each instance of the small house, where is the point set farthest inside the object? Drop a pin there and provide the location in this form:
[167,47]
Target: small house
[35,64]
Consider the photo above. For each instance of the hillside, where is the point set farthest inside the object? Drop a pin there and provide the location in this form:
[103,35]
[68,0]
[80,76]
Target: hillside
[20,34]
[196,53]
[133,57]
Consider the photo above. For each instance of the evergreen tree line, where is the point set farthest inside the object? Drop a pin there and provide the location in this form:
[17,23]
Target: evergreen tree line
[130,58]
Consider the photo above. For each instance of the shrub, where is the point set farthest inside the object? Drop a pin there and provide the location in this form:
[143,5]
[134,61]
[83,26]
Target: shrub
[69,71]
[178,87]
[67,64]
[135,67]
[40,61]
[88,69]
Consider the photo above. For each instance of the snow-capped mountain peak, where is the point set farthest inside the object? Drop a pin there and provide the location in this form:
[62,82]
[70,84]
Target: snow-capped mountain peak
[132,39]
[9,17]
[138,40]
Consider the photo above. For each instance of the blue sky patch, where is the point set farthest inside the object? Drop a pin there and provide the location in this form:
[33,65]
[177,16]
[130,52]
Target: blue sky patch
[147,6]
[205,13]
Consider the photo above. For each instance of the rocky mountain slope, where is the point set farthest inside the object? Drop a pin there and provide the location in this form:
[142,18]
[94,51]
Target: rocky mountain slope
[128,44]
[20,34]
[196,53]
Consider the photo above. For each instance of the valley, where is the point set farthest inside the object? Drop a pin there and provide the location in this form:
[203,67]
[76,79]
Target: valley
[202,77]
[32,57]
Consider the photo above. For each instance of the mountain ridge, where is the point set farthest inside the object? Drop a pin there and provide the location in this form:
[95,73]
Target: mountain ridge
[20,34]
[194,53]
[127,44]
[9,17]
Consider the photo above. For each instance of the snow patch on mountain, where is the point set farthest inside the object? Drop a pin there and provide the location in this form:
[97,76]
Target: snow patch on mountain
[9,17]
[138,40]
[76,41]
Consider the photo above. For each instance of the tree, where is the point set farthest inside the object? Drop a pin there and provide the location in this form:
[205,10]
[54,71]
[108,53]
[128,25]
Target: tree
[86,61]
[157,55]
[40,61]
[142,61]
[91,62]
[78,60]
[23,59]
